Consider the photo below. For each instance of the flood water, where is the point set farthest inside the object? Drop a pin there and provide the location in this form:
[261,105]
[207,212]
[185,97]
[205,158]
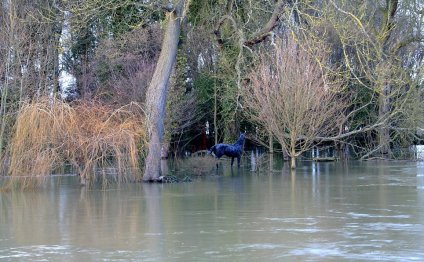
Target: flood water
[334,211]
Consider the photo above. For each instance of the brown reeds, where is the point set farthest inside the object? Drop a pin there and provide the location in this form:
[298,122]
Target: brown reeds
[88,135]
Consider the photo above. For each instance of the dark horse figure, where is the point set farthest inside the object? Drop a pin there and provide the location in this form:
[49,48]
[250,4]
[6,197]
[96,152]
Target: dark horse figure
[234,150]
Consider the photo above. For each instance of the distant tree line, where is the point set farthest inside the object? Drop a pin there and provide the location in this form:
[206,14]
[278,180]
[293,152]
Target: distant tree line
[295,73]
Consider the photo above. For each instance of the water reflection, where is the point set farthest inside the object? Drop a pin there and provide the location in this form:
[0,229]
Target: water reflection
[322,211]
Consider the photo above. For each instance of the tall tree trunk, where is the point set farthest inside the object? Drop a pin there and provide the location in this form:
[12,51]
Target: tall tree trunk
[271,142]
[292,153]
[384,111]
[8,64]
[215,112]
[293,162]
[157,91]
[388,24]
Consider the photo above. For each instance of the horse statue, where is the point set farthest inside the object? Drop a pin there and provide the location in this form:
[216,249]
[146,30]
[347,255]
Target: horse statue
[230,150]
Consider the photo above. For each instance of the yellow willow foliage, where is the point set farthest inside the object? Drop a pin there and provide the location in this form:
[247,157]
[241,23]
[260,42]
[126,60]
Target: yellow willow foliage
[88,135]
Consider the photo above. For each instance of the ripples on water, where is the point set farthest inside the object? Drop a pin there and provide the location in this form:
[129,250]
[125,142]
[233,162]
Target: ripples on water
[325,212]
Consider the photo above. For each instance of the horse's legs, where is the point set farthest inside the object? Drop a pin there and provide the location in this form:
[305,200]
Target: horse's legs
[238,161]
[216,162]
[232,161]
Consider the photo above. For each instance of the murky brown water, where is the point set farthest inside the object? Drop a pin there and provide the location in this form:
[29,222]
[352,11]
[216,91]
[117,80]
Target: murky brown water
[325,212]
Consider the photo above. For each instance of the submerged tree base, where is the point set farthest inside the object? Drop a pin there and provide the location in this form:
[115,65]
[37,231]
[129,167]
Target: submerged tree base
[170,179]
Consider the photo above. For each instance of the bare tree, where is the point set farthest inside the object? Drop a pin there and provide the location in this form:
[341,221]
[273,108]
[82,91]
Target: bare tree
[29,58]
[291,97]
[379,44]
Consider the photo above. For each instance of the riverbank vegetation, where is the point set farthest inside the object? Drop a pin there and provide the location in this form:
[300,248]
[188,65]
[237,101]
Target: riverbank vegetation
[86,135]
[96,83]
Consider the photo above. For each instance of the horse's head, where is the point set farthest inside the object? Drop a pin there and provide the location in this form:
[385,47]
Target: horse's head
[240,140]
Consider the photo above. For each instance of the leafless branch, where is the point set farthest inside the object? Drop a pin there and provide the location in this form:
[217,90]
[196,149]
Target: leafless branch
[260,35]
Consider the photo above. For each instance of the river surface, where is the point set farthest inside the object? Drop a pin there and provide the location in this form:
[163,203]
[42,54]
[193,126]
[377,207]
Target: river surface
[334,211]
